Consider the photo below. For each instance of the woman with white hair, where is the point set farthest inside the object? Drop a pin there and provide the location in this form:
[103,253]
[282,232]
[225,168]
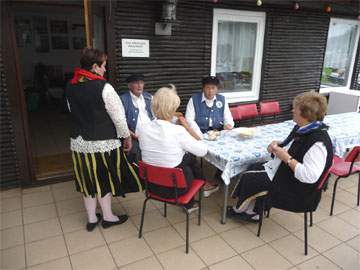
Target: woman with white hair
[165,144]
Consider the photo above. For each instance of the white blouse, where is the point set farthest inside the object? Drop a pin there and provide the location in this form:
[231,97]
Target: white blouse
[139,103]
[115,109]
[164,144]
[309,171]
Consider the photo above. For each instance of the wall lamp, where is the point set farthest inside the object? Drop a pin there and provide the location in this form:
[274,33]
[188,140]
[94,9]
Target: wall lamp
[168,17]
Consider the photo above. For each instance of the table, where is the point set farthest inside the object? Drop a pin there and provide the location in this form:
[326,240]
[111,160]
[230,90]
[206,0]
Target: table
[233,154]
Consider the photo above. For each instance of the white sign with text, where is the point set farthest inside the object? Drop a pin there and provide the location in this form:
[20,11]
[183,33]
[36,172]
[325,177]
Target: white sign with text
[135,47]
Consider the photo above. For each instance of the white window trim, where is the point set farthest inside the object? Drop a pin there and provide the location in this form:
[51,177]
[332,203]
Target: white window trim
[241,16]
[328,89]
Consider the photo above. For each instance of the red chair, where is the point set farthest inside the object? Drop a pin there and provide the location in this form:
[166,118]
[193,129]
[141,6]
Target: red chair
[171,178]
[247,111]
[235,114]
[269,108]
[319,189]
[343,168]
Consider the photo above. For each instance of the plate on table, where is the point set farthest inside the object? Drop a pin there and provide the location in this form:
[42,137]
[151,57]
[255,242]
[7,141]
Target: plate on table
[245,132]
[212,135]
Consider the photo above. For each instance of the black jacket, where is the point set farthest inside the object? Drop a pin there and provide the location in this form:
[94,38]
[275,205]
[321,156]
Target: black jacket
[89,118]
[286,191]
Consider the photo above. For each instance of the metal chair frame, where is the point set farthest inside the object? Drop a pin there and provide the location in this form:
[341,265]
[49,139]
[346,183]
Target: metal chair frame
[263,198]
[149,197]
[344,176]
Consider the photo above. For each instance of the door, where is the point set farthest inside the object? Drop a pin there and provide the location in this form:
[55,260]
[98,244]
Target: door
[47,43]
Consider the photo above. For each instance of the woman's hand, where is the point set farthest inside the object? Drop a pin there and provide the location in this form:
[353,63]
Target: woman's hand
[228,127]
[133,135]
[182,121]
[127,144]
[272,146]
[285,157]
[280,152]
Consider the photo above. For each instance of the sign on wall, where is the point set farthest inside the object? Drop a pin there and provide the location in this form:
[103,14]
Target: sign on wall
[135,47]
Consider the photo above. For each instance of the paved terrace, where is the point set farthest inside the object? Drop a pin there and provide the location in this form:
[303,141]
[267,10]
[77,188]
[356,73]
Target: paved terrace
[44,228]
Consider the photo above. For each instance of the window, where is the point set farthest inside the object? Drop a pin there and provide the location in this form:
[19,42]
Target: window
[237,47]
[340,54]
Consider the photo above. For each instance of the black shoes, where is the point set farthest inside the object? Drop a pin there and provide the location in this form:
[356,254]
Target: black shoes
[243,216]
[91,226]
[108,224]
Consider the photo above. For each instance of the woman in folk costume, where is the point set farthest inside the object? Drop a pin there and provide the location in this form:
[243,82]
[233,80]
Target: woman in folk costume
[298,164]
[97,124]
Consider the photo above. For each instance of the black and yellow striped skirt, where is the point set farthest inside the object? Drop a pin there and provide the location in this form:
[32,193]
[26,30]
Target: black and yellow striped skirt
[105,172]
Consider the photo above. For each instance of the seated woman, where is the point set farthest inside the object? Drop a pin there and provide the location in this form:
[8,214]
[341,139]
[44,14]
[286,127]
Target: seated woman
[298,163]
[166,144]
[207,110]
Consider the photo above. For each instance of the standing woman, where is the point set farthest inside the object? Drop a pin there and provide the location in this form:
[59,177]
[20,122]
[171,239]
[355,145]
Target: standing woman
[97,124]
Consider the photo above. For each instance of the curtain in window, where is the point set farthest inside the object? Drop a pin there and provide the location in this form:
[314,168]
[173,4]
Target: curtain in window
[235,54]
[338,55]
[340,45]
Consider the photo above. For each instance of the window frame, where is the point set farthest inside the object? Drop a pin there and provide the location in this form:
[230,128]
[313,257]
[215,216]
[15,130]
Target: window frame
[248,17]
[325,90]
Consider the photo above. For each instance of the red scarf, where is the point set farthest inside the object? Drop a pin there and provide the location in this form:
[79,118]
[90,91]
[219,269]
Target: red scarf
[82,73]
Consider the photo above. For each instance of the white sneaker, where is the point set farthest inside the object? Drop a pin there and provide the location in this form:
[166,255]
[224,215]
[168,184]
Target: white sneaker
[208,192]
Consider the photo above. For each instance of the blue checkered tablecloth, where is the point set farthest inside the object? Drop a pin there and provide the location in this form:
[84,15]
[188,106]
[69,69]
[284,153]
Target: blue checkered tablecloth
[232,154]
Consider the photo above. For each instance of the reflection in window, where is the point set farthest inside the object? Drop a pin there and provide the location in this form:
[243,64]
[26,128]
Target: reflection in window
[339,54]
[235,55]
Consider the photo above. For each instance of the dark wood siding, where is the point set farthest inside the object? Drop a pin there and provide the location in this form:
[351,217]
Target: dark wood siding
[293,55]
[9,168]
[355,83]
[182,58]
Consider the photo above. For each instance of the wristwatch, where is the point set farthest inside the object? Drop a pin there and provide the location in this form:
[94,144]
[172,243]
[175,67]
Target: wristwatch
[289,160]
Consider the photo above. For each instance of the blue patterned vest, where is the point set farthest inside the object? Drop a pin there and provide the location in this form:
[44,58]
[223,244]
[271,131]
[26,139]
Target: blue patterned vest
[132,112]
[203,113]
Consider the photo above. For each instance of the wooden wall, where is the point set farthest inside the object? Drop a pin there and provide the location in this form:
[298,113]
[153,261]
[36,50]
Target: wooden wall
[355,83]
[293,55]
[182,58]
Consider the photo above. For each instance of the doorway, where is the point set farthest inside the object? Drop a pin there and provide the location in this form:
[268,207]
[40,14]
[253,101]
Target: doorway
[49,40]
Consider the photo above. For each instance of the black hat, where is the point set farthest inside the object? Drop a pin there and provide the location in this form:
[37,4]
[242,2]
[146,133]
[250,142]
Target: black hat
[135,77]
[210,80]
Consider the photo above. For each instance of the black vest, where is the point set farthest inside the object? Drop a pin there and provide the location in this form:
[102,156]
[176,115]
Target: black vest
[89,118]
[286,191]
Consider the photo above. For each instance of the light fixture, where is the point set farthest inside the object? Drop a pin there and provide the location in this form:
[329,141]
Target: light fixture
[327,8]
[168,17]
[258,3]
[169,11]
[296,6]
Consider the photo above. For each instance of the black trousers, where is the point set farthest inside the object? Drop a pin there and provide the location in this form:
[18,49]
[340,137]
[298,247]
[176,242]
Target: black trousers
[134,155]
[252,184]
[191,172]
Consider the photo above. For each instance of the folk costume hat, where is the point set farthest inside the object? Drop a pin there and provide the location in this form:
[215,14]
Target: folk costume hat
[135,77]
[210,80]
